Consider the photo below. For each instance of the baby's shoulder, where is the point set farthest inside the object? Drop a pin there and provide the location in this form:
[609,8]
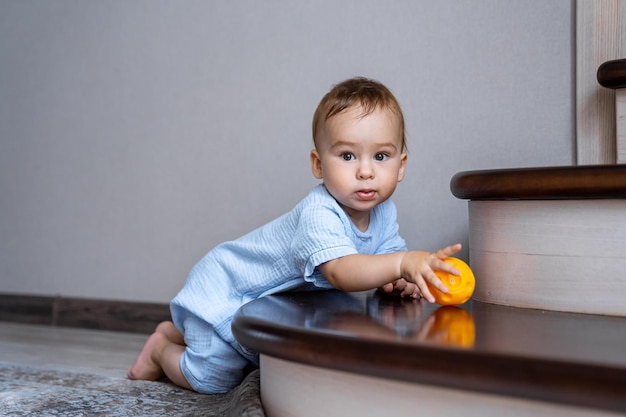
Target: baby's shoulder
[318,202]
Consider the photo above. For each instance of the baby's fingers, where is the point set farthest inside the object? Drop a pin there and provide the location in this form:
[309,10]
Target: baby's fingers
[440,265]
[434,280]
[411,290]
[426,292]
[431,279]
[448,251]
[387,288]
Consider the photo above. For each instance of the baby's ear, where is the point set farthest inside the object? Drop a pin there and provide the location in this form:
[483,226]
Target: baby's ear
[403,159]
[316,164]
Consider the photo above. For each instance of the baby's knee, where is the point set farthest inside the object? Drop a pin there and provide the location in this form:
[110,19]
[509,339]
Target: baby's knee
[222,369]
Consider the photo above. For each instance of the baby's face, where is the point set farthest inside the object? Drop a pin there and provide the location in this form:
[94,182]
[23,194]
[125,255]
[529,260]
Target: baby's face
[360,158]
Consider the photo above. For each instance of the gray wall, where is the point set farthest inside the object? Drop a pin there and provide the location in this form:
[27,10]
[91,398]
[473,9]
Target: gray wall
[136,135]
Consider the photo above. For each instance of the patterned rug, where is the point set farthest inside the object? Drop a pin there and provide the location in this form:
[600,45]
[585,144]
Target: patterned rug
[45,392]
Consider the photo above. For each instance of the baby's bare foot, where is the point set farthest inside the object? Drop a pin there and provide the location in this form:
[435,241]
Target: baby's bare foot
[145,367]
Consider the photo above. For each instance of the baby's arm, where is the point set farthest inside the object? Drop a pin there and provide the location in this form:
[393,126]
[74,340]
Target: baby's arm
[363,272]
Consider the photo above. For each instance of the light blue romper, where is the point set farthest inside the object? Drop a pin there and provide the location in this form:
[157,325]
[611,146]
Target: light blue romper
[279,256]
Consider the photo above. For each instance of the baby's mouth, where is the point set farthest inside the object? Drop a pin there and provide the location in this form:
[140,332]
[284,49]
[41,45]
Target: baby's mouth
[366,194]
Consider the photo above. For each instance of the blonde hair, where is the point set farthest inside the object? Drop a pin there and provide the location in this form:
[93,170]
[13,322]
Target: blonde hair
[369,94]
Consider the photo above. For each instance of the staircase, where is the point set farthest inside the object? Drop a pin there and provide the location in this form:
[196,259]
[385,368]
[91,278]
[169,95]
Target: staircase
[552,238]
[548,238]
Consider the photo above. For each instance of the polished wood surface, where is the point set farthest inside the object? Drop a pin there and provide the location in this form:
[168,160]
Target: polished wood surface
[567,358]
[560,182]
[612,74]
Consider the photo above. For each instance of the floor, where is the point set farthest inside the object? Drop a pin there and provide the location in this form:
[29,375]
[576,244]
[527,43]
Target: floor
[83,350]
[59,371]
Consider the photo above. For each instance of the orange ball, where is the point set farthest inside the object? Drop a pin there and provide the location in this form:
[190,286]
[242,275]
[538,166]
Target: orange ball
[453,326]
[460,287]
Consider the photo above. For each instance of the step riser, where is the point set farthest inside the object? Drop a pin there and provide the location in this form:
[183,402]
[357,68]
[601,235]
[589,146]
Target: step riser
[562,255]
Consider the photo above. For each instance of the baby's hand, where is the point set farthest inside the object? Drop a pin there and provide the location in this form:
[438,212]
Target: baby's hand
[419,267]
[406,289]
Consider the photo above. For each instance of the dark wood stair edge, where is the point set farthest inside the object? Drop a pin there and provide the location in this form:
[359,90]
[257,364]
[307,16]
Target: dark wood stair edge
[542,183]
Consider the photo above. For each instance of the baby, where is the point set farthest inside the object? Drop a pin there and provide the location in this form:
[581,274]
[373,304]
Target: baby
[343,235]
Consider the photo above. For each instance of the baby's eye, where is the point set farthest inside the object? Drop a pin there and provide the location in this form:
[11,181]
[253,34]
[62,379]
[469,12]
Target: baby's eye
[347,156]
[380,156]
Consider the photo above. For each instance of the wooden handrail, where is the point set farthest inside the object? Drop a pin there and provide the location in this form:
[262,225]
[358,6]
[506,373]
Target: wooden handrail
[612,74]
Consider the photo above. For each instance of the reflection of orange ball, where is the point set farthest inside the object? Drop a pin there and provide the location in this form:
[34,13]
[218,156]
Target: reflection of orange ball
[460,287]
[453,326]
